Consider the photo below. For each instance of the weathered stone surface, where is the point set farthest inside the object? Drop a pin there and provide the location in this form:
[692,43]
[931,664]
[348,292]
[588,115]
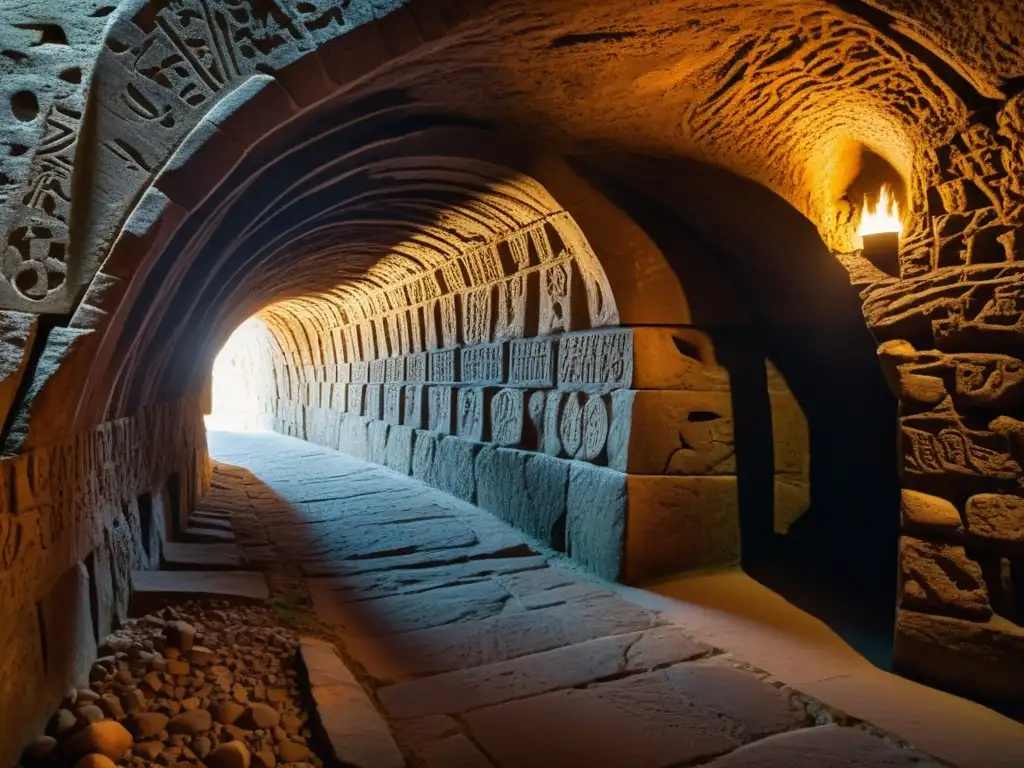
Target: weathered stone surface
[108,738]
[526,490]
[399,449]
[17,332]
[186,556]
[997,518]
[672,433]
[152,589]
[924,513]
[454,467]
[680,523]
[596,509]
[941,578]
[828,745]
[69,636]
[961,655]
[569,667]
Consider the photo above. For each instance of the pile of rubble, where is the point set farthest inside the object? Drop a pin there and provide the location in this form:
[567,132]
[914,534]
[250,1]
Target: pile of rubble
[207,684]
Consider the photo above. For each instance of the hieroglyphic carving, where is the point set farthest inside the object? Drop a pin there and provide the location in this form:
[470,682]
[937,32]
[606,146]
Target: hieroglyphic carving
[34,229]
[360,372]
[443,366]
[508,408]
[394,370]
[378,371]
[532,362]
[516,306]
[476,316]
[439,410]
[596,360]
[471,413]
[416,367]
[536,408]
[483,364]
[393,403]
[414,410]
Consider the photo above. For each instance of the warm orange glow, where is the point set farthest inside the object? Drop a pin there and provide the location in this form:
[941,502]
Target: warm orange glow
[884,217]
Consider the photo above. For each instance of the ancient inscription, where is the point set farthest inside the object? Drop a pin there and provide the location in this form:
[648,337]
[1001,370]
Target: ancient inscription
[416,367]
[532,362]
[393,403]
[470,413]
[596,360]
[595,429]
[476,316]
[360,372]
[535,410]
[414,411]
[444,366]
[556,296]
[508,409]
[378,371]
[515,306]
[448,319]
[439,410]
[483,364]
[394,370]
[570,427]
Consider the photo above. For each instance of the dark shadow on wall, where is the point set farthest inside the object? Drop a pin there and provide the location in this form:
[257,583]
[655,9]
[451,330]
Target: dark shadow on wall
[760,279]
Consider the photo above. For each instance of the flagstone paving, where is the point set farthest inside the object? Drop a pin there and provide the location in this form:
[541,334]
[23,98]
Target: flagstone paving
[481,650]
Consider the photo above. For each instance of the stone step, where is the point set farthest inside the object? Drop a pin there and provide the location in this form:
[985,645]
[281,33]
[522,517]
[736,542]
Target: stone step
[151,590]
[199,535]
[187,556]
[209,520]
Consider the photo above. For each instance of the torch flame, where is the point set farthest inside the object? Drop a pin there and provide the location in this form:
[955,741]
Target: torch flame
[885,217]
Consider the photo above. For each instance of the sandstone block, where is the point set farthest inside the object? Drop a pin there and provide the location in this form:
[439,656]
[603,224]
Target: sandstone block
[680,523]
[507,417]
[977,659]
[454,467]
[377,442]
[484,364]
[640,358]
[596,505]
[414,412]
[374,403]
[666,432]
[440,413]
[526,490]
[398,453]
[532,362]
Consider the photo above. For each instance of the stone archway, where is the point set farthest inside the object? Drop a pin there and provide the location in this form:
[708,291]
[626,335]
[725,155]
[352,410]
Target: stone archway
[130,132]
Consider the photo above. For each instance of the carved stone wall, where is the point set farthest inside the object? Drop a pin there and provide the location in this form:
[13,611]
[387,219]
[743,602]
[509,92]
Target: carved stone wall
[76,518]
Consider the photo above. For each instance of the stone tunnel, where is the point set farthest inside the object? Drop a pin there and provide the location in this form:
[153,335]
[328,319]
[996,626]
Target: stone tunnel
[593,285]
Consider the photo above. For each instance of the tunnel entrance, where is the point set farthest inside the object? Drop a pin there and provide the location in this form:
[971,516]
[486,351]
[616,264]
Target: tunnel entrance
[815,422]
[236,405]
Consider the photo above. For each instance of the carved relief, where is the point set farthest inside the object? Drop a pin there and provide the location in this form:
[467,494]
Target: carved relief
[393,407]
[532,362]
[416,367]
[444,366]
[439,410]
[414,411]
[597,360]
[483,364]
[508,408]
[471,413]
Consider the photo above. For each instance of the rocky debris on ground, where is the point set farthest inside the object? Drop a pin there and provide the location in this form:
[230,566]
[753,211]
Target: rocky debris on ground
[197,685]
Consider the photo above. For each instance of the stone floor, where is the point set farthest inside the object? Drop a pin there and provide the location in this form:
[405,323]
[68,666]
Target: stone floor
[481,649]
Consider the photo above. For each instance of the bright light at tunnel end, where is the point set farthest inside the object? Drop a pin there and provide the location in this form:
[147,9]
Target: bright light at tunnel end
[236,403]
[883,217]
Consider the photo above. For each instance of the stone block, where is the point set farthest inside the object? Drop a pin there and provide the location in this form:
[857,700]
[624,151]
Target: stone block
[484,364]
[472,412]
[997,519]
[424,455]
[924,513]
[443,366]
[377,371]
[941,578]
[440,413]
[377,441]
[354,398]
[394,370]
[671,432]
[416,367]
[453,467]
[981,660]
[155,589]
[507,417]
[532,362]
[25,698]
[414,411]
[69,637]
[596,505]
[352,436]
[526,490]
[393,403]
[374,405]
[398,456]
[640,358]
[680,523]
